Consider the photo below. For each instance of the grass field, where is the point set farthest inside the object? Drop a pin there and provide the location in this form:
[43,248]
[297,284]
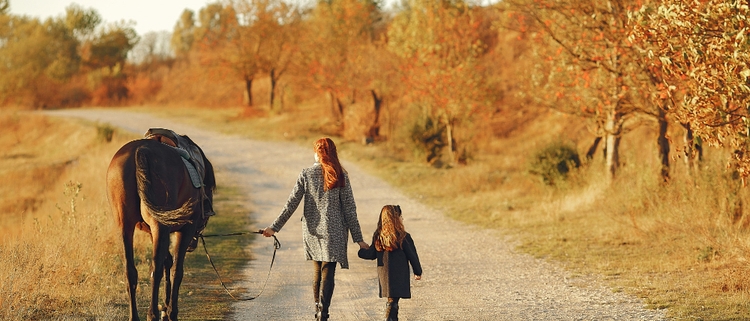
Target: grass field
[59,246]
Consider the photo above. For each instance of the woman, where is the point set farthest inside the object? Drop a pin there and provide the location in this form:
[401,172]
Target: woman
[330,214]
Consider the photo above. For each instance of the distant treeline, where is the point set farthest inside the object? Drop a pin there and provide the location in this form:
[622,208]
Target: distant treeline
[453,71]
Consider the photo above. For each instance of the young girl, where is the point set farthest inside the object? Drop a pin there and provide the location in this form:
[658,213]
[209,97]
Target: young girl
[394,249]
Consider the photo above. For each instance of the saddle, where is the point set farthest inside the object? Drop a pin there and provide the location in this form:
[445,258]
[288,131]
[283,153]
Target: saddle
[191,157]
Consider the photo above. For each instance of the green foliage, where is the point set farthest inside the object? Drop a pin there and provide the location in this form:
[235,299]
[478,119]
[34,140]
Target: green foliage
[4,6]
[554,162]
[183,34]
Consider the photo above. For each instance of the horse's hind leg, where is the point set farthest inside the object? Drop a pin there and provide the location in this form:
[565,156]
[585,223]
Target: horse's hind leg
[167,284]
[160,239]
[131,271]
[182,240]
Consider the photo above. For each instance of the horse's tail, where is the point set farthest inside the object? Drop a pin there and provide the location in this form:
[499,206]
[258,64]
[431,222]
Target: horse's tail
[163,214]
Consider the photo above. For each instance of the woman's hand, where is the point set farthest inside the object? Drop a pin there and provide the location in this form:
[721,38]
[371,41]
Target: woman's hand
[363,245]
[417,277]
[268,232]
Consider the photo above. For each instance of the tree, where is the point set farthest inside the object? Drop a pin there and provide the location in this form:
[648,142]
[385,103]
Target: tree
[593,70]
[441,43]
[4,6]
[338,34]
[702,49]
[111,46]
[153,47]
[36,58]
[183,34]
[266,38]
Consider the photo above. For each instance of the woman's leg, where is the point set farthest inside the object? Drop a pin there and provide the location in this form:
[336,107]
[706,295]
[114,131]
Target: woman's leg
[316,282]
[327,272]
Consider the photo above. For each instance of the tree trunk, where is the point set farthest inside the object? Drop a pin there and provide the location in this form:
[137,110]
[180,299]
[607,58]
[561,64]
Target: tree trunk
[663,143]
[613,130]
[340,109]
[273,87]
[451,147]
[693,149]
[592,150]
[249,90]
[374,131]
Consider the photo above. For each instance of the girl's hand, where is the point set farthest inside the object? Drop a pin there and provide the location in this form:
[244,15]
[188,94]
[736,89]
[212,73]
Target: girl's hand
[417,277]
[363,245]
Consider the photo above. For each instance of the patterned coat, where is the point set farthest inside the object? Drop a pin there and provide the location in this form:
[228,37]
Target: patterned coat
[393,268]
[327,219]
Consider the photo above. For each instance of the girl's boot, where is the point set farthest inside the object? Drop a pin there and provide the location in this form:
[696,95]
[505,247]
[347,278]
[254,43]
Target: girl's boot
[391,311]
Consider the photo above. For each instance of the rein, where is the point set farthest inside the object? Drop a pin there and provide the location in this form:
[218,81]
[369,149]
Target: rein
[276,246]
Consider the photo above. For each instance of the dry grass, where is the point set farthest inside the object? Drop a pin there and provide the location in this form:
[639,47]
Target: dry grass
[58,247]
[60,253]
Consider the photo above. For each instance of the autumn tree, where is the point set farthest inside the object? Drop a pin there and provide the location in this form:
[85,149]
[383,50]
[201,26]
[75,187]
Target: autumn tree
[338,36]
[440,43]
[38,57]
[703,51]
[183,34]
[266,38]
[593,70]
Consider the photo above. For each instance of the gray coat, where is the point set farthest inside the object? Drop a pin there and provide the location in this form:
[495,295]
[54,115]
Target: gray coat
[327,219]
[393,268]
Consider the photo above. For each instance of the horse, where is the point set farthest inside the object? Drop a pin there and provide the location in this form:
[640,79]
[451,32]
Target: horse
[149,188]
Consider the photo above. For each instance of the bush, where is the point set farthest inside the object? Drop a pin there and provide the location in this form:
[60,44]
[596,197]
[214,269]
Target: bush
[554,162]
[429,137]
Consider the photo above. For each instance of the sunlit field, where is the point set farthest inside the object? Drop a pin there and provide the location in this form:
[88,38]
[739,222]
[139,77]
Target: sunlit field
[60,248]
[485,110]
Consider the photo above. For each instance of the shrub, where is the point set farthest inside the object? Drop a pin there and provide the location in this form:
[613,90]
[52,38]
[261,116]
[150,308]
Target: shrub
[554,162]
[429,137]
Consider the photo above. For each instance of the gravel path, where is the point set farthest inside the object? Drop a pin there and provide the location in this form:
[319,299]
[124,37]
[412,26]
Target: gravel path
[469,273]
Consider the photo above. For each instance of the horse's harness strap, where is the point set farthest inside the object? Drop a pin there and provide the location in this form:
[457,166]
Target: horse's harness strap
[276,246]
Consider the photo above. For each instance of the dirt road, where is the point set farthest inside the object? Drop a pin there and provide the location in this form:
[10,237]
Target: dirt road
[469,273]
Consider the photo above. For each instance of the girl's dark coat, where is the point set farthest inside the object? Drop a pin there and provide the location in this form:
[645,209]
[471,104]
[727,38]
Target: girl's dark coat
[393,268]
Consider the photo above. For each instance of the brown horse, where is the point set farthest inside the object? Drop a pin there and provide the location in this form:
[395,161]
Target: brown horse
[149,188]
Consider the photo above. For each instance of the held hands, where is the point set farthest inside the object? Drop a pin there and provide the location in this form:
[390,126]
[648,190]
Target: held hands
[268,232]
[363,245]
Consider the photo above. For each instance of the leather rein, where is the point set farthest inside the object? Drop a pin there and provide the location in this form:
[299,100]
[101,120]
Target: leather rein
[276,246]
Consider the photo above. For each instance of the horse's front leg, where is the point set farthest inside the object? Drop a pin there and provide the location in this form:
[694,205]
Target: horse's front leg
[160,239]
[182,240]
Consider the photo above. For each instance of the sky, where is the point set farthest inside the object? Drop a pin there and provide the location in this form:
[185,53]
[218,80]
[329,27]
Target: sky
[148,15]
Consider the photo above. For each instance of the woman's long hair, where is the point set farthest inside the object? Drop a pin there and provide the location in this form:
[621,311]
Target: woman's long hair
[333,173]
[390,233]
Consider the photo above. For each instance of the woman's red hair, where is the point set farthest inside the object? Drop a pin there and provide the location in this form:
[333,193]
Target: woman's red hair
[333,173]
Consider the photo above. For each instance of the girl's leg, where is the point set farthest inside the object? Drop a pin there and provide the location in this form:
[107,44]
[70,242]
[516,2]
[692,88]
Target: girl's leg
[391,309]
[327,271]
